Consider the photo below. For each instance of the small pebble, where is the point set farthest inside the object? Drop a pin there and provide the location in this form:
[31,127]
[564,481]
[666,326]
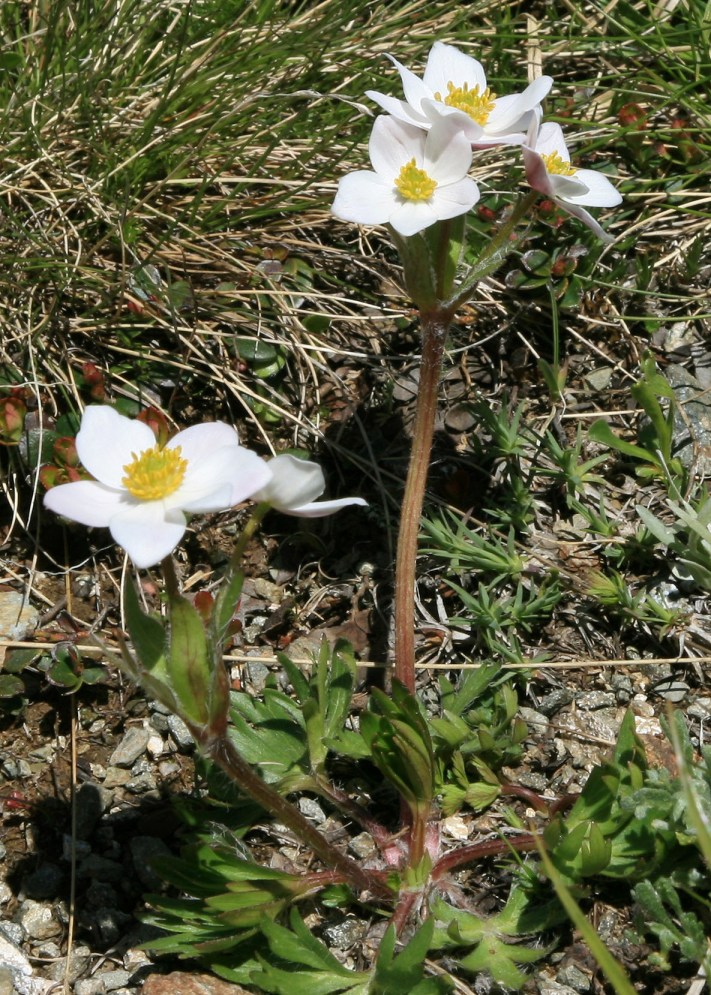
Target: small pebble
[78,965]
[180,734]
[590,701]
[37,919]
[131,747]
[114,979]
[574,978]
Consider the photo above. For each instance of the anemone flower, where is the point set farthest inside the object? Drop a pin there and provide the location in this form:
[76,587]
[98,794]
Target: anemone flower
[294,487]
[454,86]
[142,491]
[418,178]
[548,170]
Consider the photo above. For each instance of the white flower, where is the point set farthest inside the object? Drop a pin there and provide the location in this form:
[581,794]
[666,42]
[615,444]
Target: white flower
[141,491]
[294,487]
[419,178]
[548,170]
[454,86]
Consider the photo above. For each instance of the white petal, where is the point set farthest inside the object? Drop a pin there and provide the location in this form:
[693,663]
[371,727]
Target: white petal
[550,139]
[568,187]
[294,482]
[223,478]
[319,509]
[601,193]
[435,111]
[399,109]
[408,217]
[537,175]
[456,199]
[393,144]
[147,532]
[200,441]
[510,111]
[106,442]
[413,87]
[87,502]
[448,153]
[587,219]
[446,64]
[364,198]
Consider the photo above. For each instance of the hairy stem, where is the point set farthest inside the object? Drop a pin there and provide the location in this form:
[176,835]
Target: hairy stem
[222,752]
[434,331]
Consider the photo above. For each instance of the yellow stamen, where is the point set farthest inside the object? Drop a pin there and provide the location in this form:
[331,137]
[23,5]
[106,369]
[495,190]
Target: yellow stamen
[477,104]
[413,183]
[155,473]
[554,164]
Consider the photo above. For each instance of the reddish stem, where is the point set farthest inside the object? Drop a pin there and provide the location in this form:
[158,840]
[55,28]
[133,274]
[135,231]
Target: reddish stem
[523,843]
[435,325]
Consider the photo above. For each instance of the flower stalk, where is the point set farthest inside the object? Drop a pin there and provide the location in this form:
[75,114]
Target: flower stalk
[222,752]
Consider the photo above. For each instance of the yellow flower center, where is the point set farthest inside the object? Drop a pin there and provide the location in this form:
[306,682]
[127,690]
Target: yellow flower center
[554,164]
[155,473]
[413,183]
[476,103]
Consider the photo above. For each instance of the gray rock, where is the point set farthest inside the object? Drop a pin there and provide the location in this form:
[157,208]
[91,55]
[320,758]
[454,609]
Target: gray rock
[100,868]
[143,850]
[109,925]
[159,723]
[362,846]
[312,810]
[556,699]
[553,988]
[15,769]
[71,845]
[44,882]
[536,721]
[133,744]
[92,801]
[574,978]
[116,777]
[3,851]
[38,920]
[699,709]
[590,701]
[78,965]
[7,986]
[13,932]
[90,986]
[5,893]
[114,979]
[13,958]
[141,783]
[49,950]
[531,779]
[180,734]
[257,674]
[346,933]
[99,894]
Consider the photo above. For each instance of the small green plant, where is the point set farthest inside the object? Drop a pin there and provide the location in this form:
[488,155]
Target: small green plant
[654,451]
[687,538]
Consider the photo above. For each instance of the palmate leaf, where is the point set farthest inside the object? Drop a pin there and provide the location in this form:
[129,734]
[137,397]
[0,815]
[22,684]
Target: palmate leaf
[302,965]
[404,972]
[497,949]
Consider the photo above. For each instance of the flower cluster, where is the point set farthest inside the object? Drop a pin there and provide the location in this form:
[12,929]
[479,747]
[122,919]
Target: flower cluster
[142,490]
[421,151]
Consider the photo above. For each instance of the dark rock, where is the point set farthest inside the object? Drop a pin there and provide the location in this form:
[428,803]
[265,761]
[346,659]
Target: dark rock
[143,850]
[44,882]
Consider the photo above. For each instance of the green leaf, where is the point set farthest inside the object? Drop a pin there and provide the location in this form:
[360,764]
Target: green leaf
[601,432]
[188,662]
[147,634]
[226,605]
[10,686]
